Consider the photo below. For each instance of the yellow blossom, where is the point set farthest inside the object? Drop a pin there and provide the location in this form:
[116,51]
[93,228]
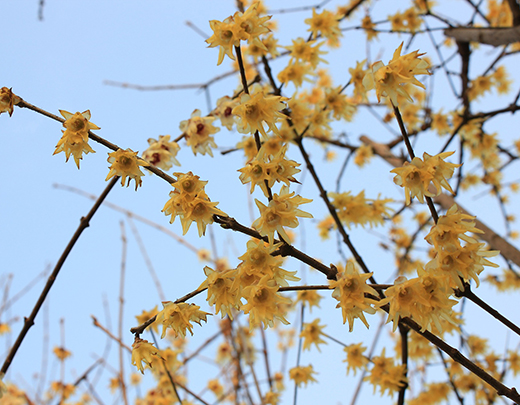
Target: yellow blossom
[74,140]
[61,353]
[309,297]
[389,80]
[311,334]
[125,163]
[356,360]
[162,153]
[350,289]
[281,211]
[142,352]
[220,290]
[179,316]
[198,132]
[257,109]
[7,100]
[302,375]
[325,23]
[386,375]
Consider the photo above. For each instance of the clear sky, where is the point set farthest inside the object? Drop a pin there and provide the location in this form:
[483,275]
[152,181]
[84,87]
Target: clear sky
[64,62]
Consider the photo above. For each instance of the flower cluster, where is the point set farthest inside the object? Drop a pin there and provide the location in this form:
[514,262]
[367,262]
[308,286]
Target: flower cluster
[458,263]
[266,169]
[350,288]
[386,375]
[247,26]
[256,280]
[325,23]
[417,176]
[74,140]
[126,164]
[390,80]
[190,202]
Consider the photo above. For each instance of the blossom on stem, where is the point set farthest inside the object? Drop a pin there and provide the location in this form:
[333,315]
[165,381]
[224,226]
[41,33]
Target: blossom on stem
[142,352]
[125,163]
[74,140]
[302,375]
[417,175]
[8,100]
[281,211]
[311,334]
[162,153]
[257,109]
[389,80]
[350,288]
[198,131]
[179,316]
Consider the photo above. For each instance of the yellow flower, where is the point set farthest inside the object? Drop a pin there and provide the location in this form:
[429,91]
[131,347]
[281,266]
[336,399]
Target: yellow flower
[198,131]
[281,211]
[7,100]
[416,176]
[216,387]
[302,375]
[125,163]
[264,303]
[142,352]
[145,315]
[326,23]
[162,153]
[349,289]
[220,290]
[355,358]
[224,110]
[389,81]
[309,297]
[61,353]
[255,109]
[368,25]
[74,140]
[178,317]
[311,334]
[386,374]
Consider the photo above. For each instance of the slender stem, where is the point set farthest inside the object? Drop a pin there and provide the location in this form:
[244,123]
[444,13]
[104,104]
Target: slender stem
[121,309]
[84,223]
[403,330]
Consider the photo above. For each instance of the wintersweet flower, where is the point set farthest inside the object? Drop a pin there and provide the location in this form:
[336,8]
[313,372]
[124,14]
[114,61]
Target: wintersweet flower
[356,360]
[309,297]
[198,131]
[450,228]
[326,23]
[350,289]
[143,352]
[264,304]
[125,163]
[162,153]
[302,375]
[179,316]
[220,291]
[224,110]
[257,109]
[74,140]
[306,51]
[61,353]
[190,202]
[386,374]
[311,334]
[389,80]
[281,211]
[7,100]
